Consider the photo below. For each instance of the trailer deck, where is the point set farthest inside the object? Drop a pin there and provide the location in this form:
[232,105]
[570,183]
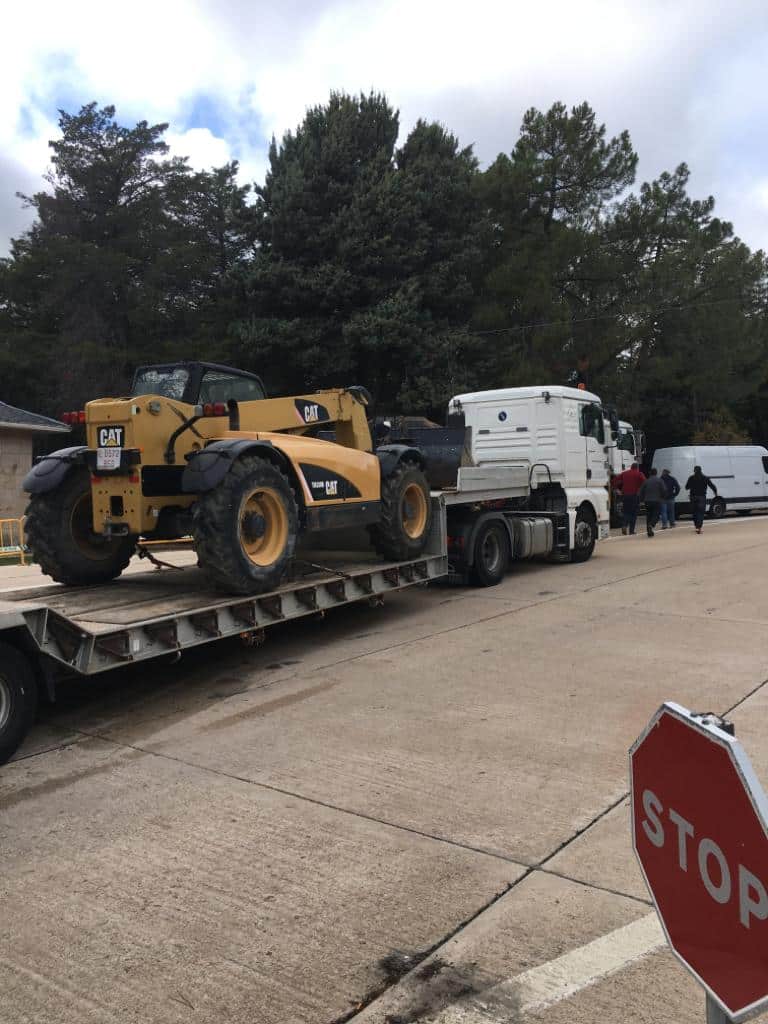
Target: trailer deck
[148,614]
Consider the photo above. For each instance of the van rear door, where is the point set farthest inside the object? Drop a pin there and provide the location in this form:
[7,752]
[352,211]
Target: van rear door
[750,479]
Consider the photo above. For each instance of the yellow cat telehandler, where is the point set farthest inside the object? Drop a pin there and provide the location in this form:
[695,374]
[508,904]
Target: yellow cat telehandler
[199,449]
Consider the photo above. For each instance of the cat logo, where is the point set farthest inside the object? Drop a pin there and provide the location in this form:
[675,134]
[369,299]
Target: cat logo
[331,488]
[311,413]
[110,437]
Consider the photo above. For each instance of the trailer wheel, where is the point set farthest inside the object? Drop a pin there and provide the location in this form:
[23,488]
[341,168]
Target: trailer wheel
[246,528]
[718,508]
[584,535]
[18,699]
[491,554]
[60,535]
[406,514]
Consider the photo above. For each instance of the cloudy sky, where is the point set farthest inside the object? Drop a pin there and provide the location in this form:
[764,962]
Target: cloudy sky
[685,77]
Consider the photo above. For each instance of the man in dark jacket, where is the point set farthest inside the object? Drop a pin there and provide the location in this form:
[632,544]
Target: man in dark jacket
[628,484]
[653,493]
[668,505]
[697,485]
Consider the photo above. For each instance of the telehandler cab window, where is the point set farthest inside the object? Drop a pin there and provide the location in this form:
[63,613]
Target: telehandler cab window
[218,386]
[170,382]
[591,422]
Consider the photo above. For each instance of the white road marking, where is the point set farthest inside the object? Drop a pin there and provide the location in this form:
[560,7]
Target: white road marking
[549,983]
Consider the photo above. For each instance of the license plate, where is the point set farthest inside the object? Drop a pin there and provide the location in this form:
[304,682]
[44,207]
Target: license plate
[108,458]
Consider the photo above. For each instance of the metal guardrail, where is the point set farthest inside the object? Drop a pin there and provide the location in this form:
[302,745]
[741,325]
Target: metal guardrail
[12,539]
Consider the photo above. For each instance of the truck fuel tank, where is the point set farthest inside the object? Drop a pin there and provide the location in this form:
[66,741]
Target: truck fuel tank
[532,536]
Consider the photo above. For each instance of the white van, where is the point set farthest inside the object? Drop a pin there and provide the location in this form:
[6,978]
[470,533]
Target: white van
[738,471]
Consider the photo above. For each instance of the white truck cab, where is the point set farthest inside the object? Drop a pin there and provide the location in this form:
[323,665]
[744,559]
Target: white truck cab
[626,447]
[555,434]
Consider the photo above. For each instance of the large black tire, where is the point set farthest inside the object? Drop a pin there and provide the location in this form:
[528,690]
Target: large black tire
[718,508]
[491,554]
[585,535]
[246,528]
[18,699]
[60,535]
[406,514]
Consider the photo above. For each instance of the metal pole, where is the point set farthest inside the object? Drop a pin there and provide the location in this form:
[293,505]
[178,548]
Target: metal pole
[714,1014]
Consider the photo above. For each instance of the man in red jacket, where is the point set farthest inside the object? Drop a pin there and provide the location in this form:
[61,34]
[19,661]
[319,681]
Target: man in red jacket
[628,484]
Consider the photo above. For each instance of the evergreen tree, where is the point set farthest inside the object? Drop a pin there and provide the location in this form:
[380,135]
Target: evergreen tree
[548,284]
[692,337]
[365,256]
[128,253]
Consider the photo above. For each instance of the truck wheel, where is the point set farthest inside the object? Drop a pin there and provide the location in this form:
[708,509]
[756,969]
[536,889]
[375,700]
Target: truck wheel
[718,508]
[245,529]
[585,536]
[59,529]
[406,514]
[491,554]
[18,699]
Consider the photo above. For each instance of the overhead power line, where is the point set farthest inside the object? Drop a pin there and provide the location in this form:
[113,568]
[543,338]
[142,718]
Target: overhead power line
[605,316]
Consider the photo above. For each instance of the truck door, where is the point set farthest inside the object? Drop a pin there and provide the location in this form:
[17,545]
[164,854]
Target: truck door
[592,429]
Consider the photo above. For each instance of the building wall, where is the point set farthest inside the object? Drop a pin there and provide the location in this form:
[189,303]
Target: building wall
[15,461]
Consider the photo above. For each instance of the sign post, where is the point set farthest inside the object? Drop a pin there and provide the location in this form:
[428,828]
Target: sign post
[700,833]
[714,1014]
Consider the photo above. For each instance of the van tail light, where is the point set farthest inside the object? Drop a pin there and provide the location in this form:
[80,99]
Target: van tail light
[73,418]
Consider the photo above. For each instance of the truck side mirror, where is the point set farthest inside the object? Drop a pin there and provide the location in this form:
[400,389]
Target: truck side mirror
[613,419]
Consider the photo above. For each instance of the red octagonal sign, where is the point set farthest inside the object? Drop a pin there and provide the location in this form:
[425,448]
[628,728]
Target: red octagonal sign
[699,831]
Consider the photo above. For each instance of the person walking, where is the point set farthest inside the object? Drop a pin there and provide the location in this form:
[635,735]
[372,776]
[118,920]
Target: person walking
[697,485]
[628,484]
[653,492]
[668,505]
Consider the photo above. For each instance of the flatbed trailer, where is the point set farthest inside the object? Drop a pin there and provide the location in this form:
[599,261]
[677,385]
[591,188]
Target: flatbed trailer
[53,632]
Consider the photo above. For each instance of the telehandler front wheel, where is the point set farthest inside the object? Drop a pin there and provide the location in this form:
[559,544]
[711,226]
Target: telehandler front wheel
[245,529]
[59,529]
[406,514]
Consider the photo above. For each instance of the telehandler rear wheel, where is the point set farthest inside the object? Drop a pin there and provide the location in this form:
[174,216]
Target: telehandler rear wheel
[406,514]
[59,529]
[245,529]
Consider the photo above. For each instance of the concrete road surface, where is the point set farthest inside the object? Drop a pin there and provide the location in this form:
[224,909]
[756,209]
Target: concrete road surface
[411,814]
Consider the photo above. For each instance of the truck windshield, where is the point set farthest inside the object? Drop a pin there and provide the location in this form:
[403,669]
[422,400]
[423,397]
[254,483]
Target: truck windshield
[169,382]
[626,441]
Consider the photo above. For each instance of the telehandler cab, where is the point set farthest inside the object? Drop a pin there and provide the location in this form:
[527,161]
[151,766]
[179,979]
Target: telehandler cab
[199,449]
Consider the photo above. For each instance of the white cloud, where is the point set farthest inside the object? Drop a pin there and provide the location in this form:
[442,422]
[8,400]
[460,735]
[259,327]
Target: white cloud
[685,78]
[203,149]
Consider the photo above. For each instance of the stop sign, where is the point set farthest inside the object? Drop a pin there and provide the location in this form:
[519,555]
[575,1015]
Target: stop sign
[699,831]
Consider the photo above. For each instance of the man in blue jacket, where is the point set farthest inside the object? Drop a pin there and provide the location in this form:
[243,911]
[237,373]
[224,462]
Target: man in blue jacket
[668,506]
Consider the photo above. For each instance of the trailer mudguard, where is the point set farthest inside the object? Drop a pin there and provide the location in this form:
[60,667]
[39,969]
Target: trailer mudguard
[49,470]
[391,455]
[207,468]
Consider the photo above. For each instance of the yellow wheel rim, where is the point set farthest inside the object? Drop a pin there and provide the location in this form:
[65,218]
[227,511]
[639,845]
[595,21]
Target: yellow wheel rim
[263,526]
[414,511]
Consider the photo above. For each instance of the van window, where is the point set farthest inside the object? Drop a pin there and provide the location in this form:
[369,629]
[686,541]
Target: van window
[765,463]
[591,422]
